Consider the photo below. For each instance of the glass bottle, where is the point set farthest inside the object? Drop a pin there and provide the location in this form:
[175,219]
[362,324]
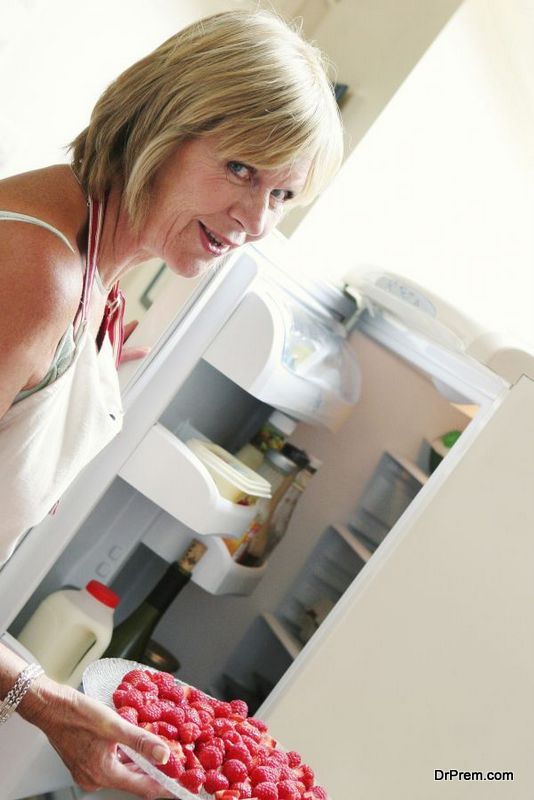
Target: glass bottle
[279,471]
[131,637]
[281,518]
[271,436]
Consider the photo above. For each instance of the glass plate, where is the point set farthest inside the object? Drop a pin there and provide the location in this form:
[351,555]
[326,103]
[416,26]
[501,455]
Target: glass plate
[100,680]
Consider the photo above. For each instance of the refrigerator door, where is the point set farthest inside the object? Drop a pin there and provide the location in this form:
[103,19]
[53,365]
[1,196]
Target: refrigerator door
[418,310]
[425,665]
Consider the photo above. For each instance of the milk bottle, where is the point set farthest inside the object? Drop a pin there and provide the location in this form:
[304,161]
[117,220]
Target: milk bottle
[70,629]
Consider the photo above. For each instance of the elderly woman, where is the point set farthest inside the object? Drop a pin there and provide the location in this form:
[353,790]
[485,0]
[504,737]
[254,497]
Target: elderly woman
[194,151]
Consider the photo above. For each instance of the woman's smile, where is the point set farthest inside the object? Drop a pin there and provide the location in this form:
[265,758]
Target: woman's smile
[204,205]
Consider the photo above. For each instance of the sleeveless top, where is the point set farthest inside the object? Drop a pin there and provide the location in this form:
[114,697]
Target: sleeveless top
[51,433]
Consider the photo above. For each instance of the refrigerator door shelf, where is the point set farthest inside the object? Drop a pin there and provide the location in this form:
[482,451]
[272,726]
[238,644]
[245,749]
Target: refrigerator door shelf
[299,363]
[166,471]
[218,573]
[421,312]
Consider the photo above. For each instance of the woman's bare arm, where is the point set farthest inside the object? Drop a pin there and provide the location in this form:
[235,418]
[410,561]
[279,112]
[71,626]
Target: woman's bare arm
[84,733]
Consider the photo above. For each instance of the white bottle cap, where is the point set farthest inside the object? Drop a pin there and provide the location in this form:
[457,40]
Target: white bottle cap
[282,422]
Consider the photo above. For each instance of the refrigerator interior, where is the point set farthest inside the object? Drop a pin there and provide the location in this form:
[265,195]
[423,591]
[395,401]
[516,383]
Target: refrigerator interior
[233,643]
[238,636]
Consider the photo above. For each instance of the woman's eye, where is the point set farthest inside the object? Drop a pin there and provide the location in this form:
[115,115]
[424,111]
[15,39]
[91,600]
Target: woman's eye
[239,169]
[281,195]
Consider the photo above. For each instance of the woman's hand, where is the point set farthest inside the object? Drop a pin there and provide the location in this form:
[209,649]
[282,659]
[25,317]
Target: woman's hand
[132,353]
[86,733]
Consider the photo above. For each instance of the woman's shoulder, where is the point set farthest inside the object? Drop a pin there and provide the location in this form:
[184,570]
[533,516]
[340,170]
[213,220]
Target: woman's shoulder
[41,259]
[50,195]
[40,276]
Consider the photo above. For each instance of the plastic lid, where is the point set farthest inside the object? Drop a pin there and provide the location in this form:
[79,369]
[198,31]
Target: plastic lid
[103,594]
[315,463]
[281,421]
[230,468]
[281,462]
[300,457]
[450,438]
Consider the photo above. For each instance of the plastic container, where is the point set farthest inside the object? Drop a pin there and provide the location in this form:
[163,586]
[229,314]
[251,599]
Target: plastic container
[235,481]
[70,629]
[271,436]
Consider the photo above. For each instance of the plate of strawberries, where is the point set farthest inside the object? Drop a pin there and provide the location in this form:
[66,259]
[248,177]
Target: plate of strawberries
[218,751]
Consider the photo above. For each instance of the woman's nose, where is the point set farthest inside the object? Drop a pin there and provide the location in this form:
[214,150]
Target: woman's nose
[252,212]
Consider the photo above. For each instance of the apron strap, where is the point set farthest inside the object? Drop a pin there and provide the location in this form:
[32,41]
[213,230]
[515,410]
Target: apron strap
[113,319]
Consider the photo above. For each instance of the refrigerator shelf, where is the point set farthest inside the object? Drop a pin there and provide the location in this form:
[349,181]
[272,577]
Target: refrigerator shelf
[353,542]
[299,364]
[289,642]
[218,573]
[166,471]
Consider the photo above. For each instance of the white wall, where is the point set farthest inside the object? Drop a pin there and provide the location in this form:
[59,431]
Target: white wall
[56,58]
[441,188]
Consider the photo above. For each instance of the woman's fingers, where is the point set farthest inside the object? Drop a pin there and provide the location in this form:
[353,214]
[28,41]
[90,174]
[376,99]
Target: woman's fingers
[129,329]
[146,744]
[133,354]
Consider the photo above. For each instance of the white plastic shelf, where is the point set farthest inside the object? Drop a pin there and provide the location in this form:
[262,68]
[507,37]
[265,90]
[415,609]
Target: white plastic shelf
[303,392]
[289,642]
[166,471]
[355,544]
[218,573]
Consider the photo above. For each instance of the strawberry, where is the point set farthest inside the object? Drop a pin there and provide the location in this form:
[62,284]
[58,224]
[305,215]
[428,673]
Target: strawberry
[193,779]
[234,770]
[215,781]
[266,791]
[128,713]
[173,768]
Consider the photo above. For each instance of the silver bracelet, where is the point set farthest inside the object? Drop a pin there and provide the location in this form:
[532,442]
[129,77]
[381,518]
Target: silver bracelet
[19,690]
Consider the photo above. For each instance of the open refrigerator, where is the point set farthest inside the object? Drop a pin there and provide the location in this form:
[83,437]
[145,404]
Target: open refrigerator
[420,652]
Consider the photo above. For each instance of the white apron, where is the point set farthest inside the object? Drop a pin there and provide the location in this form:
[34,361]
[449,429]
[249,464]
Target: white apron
[49,436]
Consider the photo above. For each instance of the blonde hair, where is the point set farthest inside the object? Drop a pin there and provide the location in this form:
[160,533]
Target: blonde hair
[245,75]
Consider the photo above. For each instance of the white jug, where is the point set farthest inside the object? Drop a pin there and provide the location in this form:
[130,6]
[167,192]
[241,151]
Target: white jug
[70,629]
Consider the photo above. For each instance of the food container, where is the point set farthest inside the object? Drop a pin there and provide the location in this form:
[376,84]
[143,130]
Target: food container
[234,480]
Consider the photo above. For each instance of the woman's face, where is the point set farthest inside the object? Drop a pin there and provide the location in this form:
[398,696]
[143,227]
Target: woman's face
[204,205]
